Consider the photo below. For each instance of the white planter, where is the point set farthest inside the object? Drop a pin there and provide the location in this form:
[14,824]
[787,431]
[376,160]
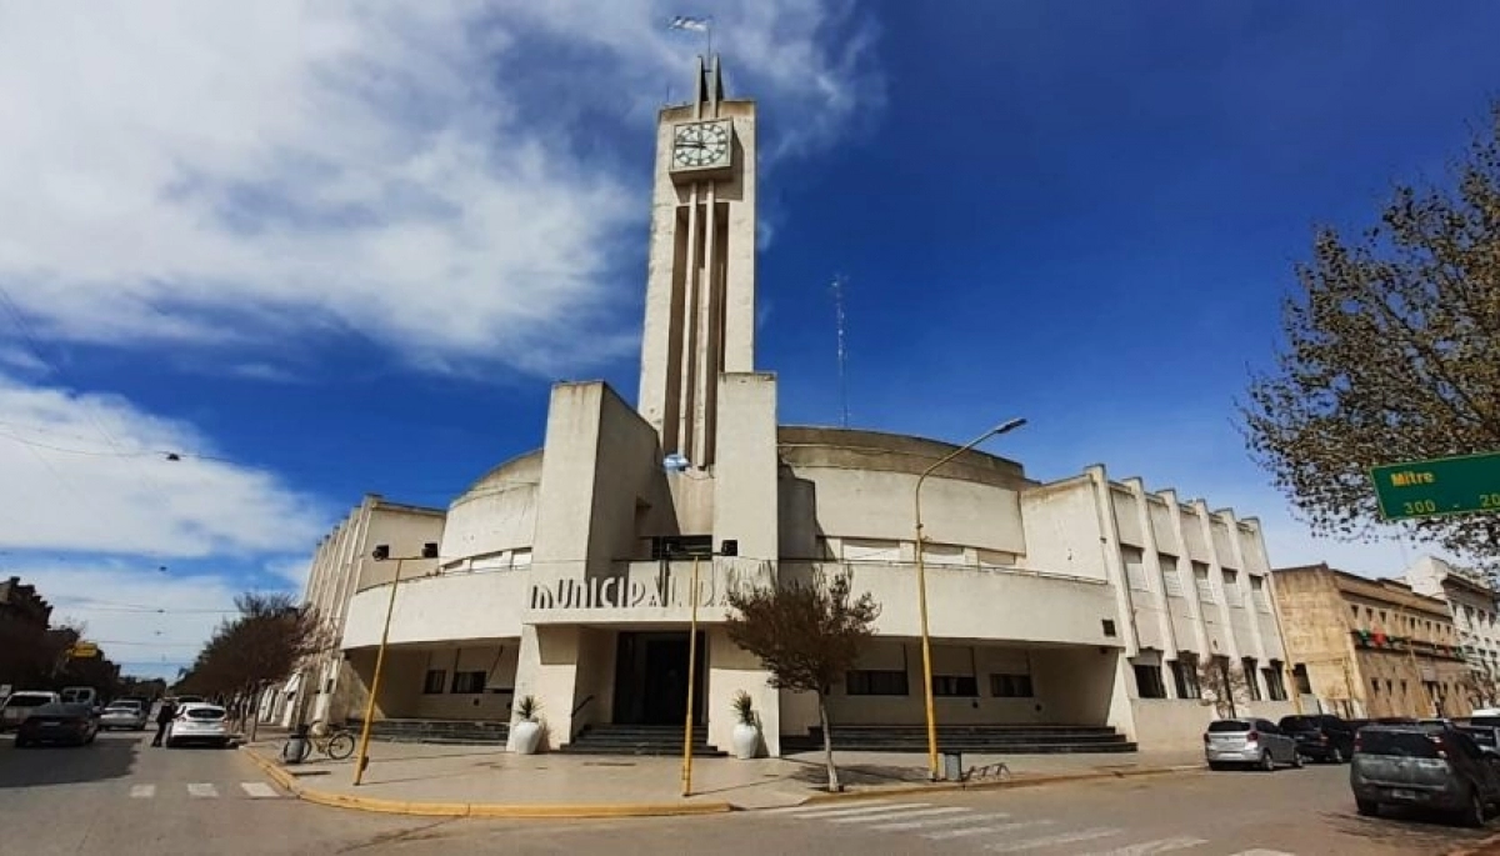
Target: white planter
[744,741]
[527,736]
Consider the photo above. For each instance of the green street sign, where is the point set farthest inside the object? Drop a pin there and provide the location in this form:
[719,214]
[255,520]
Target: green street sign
[1464,485]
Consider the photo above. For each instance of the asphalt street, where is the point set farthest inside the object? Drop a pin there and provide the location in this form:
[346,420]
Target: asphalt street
[122,796]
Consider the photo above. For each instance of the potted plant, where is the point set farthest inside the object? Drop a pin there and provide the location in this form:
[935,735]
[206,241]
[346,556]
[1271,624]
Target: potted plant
[745,740]
[528,729]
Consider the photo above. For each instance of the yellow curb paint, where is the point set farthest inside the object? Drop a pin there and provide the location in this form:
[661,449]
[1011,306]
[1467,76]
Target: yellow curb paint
[490,810]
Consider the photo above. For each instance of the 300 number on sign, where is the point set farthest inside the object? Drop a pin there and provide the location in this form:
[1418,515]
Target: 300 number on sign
[1421,506]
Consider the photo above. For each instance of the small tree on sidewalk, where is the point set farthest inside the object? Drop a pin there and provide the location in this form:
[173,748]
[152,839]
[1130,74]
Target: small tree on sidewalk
[807,635]
[1222,683]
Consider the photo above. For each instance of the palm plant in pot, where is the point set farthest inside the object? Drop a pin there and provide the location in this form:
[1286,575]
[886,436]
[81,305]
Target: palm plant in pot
[745,739]
[528,729]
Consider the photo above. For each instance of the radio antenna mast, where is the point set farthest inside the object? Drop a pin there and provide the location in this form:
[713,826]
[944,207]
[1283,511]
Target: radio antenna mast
[838,309]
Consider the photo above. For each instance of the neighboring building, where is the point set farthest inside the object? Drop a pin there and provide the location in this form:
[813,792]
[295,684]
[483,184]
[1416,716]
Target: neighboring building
[566,572]
[1474,606]
[341,565]
[1369,648]
[20,603]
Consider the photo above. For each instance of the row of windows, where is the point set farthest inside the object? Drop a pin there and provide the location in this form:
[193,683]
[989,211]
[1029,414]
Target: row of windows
[1400,621]
[1138,579]
[893,682]
[1189,675]
[470,683]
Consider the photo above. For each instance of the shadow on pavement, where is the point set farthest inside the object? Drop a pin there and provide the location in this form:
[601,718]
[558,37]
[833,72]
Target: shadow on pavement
[59,765]
[1401,826]
[859,774]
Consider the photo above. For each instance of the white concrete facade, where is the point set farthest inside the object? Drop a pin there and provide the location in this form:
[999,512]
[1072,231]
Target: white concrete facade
[566,573]
[1475,608]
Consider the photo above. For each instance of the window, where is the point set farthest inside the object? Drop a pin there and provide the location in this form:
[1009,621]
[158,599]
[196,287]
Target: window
[1259,595]
[871,550]
[1200,578]
[1275,687]
[1148,681]
[1354,608]
[1304,682]
[1252,677]
[436,680]
[1185,675]
[1231,579]
[1135,568]
[887,682]
[1011,686]
[468,682]
[1108,626]
[955,686]
[1374,685]
[1171,581]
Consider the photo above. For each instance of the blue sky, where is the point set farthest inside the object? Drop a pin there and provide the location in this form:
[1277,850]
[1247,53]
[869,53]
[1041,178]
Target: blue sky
[324,251]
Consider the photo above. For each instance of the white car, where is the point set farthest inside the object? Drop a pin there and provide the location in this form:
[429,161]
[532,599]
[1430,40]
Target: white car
[198,723]
[123,714]
[20,704]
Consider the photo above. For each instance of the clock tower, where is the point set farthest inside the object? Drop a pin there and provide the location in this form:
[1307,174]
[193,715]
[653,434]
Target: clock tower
[700,292]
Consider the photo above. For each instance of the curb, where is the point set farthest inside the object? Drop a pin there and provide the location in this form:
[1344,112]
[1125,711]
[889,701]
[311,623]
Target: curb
[289,783]
[1000,784]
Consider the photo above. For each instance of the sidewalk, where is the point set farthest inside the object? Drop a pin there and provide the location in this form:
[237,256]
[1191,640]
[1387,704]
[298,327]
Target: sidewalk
[429,779]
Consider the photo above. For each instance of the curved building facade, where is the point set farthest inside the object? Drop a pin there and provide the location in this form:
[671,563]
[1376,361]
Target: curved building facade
[567,573]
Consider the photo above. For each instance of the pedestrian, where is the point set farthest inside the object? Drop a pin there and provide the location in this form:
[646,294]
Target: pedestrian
[164,715]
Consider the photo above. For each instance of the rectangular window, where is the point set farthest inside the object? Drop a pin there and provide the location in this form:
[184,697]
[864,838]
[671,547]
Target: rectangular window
[1275,686]
[1304,681]
[1252,677]
[1135,568]
[1171,582]
[955,686]
[870,550]
[1185,675]
[436,680]
[1374,686]
[1200,578]
[1231,579]
[1259,595]
[468,682]
[1011,686]
[886,682]
[1148,681]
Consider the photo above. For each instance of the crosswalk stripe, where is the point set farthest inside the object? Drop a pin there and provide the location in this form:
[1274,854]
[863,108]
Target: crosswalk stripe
[850,812]
[142,792]
[900,815]
[984,830]
[1053,840]
[816,807]
[903,826]
[1151,848]
[259,790]
[1262,852]
[203,790]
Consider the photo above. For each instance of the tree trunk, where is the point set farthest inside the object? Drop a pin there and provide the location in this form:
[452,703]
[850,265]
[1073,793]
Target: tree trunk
[833,770]
[251,709]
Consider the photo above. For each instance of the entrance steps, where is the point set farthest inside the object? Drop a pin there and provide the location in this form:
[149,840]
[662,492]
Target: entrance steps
[982,739]
[450,731]
[639,740]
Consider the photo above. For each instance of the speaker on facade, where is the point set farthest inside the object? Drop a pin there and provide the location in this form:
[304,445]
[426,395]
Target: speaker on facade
[729,547]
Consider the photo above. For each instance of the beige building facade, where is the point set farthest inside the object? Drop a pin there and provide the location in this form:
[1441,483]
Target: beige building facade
[1370,648]
[1474,606]
[568,573]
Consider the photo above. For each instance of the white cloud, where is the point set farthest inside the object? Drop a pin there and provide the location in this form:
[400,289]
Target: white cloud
[224,172]
[96,480]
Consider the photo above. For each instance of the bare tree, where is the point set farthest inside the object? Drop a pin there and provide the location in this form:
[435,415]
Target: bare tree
[1393,354]
[1221,683]
[807,635]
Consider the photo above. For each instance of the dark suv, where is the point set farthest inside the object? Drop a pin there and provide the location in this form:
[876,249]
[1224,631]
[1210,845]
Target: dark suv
[1321,736]
[1426,766]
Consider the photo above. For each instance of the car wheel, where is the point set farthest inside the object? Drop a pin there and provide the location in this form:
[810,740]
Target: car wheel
[1267,763]
[1368,808]
[1473,815]
[1335,755]
[1297,761]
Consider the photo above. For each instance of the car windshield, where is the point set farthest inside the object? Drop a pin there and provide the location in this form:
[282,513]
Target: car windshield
[1404,744]
[1227,725]
[1299,723]
[207,714]
[28,700]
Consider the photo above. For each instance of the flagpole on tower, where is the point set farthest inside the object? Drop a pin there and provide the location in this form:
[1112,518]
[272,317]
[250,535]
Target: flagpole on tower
[704,25]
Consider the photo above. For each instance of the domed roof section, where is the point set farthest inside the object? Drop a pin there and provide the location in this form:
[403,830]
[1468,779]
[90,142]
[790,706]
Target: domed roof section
[523,469]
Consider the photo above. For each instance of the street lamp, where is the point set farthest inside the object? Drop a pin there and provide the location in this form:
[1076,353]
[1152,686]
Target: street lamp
[382,553]
[932,746]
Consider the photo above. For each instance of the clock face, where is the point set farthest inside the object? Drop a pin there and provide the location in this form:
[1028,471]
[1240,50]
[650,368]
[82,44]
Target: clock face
[700,144]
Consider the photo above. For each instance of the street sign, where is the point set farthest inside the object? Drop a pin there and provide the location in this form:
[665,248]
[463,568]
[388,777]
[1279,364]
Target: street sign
[1443,486]
[84,650]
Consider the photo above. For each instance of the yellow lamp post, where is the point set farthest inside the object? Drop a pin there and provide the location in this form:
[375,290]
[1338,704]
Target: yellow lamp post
[932,746]
[381,553]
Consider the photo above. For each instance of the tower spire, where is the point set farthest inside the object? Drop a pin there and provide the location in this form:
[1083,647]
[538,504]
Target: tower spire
[709,89]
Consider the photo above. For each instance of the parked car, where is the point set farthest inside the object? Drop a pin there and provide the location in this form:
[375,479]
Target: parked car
[58,722]
[18,705]
[198,723]
[1425,766]
[123,714]
[1321,736]
[80,695]
[1248,742]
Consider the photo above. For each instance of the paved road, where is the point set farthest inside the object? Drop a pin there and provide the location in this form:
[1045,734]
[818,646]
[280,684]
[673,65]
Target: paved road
[121,796]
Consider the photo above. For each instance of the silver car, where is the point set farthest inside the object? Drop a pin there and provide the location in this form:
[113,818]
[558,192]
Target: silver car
[123,714]
[1249,742]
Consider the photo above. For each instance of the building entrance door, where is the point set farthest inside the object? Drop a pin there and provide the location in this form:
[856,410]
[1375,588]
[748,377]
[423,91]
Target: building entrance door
[651,679]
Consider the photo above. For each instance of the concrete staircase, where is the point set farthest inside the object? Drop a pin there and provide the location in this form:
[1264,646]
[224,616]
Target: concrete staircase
[639,740]
[984,739]
[437,731]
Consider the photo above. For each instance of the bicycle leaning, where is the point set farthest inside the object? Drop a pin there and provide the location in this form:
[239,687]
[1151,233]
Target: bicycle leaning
[337,744]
